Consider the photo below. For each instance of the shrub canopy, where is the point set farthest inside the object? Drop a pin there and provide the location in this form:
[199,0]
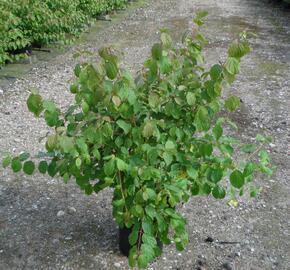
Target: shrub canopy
[25,23]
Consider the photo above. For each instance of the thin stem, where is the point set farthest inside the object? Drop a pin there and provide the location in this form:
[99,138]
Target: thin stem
[256,151]
[122,191]
[139,240]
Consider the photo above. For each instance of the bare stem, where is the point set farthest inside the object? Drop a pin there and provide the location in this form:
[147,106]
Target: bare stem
[122,191]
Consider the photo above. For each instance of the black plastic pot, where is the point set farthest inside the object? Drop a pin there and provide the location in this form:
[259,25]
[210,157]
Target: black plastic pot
[124,244]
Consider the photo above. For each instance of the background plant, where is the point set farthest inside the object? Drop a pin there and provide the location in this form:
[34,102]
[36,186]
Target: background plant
[25,23]
[156,140]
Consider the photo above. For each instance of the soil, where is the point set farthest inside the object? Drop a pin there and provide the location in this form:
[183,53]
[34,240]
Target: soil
[45,224]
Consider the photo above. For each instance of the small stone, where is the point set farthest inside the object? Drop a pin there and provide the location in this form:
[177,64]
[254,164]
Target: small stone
[227,266]
[201,262]
[237,254]
[60,213]
[117,264]
[272,145]
[209,239]
[55,241]
[71,210]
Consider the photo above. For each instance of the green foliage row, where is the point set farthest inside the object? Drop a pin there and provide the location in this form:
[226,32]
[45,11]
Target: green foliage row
[25,23]
[157,139]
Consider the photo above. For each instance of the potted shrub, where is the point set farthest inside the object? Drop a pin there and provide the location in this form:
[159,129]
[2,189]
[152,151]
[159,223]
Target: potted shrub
[156,141]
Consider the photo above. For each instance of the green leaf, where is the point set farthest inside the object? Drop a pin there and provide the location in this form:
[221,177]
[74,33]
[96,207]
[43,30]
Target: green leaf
[254,192]
[150,211]
[49,106]
[195,189]
[150,193]
[157,51]
[205,149]
[249,169]
[119,203]
[24,156]
[51,142]
[249,148]
[96,153]
[111,70]
[148,250]
[199,16]
[148,130]
[237,179]
[217,131]
[261,138]
[123,125]
[89,189]
[232,103]
[219,192]
[162,225]
[137,211]
[78,162]
[121,165]
[42,166]
[264,157]
[116,100]
[202,120]
[109,167]
[170,145]
[227,149]
[190,98]
[215,72]
[142,261]
[168,158]
[77,70]
[29,167]
[6,161]
[173,110]
[232,66]
[166,39]
[107,130]
[147,226]
[82,146]
[153,100]
[66,143]
[215,175]
[148,239]
[51,118]
[85,107]
[133,237]
[192,173]
[238,49]
[133,257]
[74,89]
[266,170]
[52,168]
[206,189]
[35,104]
[16,165]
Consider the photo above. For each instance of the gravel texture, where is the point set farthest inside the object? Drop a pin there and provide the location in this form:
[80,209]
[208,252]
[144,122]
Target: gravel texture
[45,224]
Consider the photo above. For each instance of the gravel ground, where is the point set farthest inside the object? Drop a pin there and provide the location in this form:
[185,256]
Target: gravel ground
[45,224]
